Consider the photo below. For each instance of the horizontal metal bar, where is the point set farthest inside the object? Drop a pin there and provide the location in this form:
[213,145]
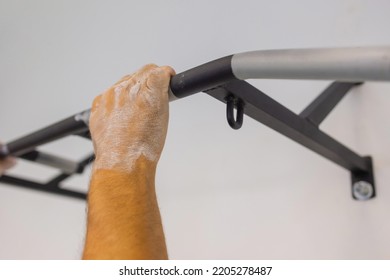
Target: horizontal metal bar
[264,109]
[203,77]
[65,165]
[319,109]
[73,125]
[341,64]
[40,187]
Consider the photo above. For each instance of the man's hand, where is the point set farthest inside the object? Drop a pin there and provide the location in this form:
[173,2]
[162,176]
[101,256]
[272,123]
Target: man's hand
[6,163]
[130,119]
[128,126]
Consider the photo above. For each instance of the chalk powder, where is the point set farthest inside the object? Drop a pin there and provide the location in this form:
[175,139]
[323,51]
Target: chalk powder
[125,134]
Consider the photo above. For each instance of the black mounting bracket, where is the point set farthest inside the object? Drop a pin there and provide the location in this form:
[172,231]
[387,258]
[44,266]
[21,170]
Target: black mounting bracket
[363,185]
[302,128]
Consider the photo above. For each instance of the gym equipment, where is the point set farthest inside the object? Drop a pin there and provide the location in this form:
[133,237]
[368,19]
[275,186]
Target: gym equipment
[224,79]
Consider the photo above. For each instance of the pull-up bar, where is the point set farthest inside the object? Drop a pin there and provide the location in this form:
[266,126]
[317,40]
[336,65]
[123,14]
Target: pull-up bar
[342,64]
[224,79]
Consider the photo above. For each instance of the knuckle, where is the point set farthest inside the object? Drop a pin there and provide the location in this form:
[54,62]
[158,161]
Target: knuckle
[96,101]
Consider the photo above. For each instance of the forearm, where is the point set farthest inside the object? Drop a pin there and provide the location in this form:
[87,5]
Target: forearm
[123,216]
[128,125]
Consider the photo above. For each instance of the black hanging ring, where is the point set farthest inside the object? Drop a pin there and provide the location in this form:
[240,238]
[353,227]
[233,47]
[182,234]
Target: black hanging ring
[231,102]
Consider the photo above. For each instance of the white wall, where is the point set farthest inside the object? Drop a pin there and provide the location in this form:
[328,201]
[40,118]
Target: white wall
[247,194]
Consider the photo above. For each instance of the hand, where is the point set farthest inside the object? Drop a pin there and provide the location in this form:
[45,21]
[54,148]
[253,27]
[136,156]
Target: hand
[129,121]
[6,163]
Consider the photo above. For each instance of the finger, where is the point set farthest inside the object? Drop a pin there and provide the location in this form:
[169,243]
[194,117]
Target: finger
[169,70]
[135,83]
[129,92]
[96,103]
[110,99]
[142,73]
[146,68]
[124,78]
[159,78]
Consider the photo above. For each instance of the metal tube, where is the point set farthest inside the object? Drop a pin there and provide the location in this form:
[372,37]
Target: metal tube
[67,166]
[72,125]
[341,64]
[201,78]
[320,107]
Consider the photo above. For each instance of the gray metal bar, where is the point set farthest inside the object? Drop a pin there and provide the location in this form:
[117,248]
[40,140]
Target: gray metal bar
[341,64]
[67,166]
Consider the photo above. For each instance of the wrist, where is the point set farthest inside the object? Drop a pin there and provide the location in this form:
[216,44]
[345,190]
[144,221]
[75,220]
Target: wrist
[120,164]
[143,171]
[110,187]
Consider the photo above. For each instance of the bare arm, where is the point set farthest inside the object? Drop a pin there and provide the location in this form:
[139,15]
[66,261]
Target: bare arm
[128,126]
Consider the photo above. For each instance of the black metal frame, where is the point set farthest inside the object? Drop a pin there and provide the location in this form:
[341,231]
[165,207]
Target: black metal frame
[54,185]
[218,79]
[302,128]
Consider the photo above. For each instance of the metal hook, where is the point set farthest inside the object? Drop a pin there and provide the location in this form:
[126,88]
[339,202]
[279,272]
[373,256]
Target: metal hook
[231,102]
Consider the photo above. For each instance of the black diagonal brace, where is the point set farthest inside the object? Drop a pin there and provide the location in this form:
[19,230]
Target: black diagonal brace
[319,109]
[264,109]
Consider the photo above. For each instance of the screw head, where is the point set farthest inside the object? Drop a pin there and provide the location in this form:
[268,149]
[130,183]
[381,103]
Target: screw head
[362,190]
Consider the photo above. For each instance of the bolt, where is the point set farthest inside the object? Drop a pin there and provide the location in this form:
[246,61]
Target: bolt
[362,190]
